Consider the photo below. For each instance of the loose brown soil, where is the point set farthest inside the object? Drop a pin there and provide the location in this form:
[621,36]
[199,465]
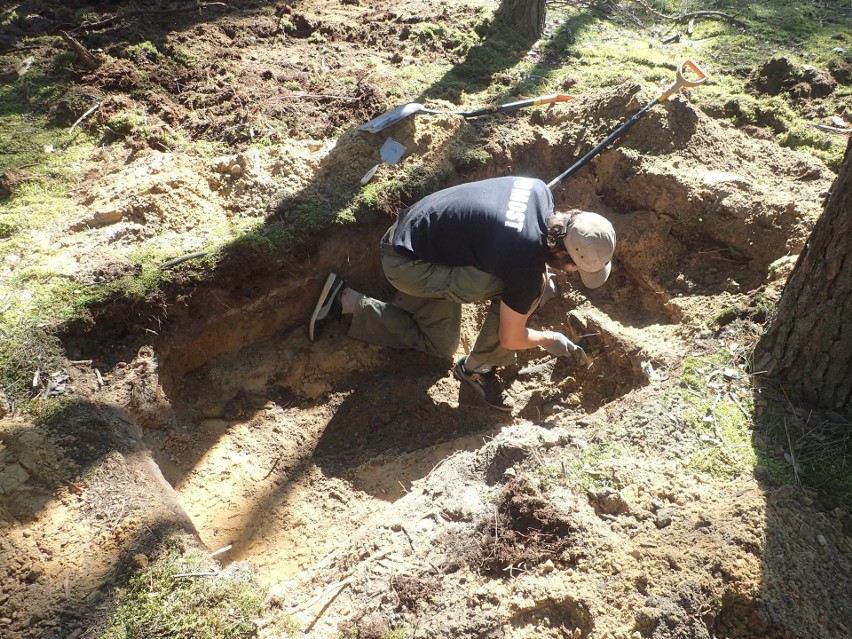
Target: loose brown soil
[371,491]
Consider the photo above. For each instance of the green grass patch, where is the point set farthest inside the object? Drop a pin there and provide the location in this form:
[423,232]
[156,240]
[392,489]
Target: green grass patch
[262,239]
[718,396]
[383,197]
[28,138]
[595,466]
[159,603]
[471,158]
[134,124]
[817,454]
[24,350]
[142,52]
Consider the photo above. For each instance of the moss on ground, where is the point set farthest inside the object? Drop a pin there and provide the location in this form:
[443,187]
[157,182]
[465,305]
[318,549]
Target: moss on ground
[184,594]
[718,394]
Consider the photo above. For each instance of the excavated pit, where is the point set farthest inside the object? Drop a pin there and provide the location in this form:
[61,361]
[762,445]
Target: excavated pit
[255,421]
[251,414]
[244,415]
[305,457]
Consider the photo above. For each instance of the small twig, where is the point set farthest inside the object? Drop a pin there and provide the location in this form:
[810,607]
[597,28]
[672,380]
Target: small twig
[343,584]
[716,428]
[16,49]
[318,96]
[83,117]
[416,624]
[272,468]
[740,406]
[184,258]
[407,536]
[197,574]
[496,526]
[792,455]
[221,550]
[832,129]
[315,600]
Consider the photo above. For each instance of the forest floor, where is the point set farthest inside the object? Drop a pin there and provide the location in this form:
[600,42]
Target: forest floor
[185,447]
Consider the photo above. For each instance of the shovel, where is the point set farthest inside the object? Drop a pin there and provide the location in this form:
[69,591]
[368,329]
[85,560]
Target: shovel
[680,82]
[403,111]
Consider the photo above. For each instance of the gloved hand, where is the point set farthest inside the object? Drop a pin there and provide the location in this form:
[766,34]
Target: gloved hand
[564,347]
[550,291]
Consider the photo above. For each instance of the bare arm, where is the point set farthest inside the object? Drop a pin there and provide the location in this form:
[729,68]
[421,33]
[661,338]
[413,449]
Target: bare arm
[514,334]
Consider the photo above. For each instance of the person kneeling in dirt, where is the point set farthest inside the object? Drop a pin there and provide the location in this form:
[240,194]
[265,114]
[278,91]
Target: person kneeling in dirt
[488,240]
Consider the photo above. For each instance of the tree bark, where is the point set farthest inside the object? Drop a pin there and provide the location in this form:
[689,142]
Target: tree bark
[807,347]
[524,17]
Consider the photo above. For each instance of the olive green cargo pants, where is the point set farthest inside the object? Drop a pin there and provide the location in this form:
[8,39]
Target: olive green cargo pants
[427,315]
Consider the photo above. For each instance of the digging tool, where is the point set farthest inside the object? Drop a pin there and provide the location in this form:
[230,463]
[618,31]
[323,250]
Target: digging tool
[391,151]
[403,111]
[680,82]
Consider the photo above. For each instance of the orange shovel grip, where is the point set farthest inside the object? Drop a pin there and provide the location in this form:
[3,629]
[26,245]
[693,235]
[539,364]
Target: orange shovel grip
[682,81]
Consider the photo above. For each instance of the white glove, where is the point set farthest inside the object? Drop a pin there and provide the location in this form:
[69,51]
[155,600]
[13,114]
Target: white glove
[564,347]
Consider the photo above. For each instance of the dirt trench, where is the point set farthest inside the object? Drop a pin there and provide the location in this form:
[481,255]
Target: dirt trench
[257,427]
[290,452]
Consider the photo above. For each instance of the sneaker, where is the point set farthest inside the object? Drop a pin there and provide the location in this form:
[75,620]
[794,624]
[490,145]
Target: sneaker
[487,386]
[328,304]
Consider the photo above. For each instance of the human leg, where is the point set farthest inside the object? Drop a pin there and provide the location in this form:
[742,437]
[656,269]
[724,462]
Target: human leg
[421,318]
[428,325]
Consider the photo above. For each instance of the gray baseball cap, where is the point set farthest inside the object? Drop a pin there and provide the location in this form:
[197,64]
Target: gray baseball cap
[590,242]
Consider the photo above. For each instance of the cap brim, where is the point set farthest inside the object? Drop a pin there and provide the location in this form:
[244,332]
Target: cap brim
[596,279]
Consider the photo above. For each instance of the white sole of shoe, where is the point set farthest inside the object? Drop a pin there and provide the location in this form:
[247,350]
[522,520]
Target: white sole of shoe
[480,393]
[323,302]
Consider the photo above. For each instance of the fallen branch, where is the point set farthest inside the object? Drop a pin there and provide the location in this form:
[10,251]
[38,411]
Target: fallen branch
[89,60]
[83,117]
[147,13]
[184,258]
[336,588]
[711,14]
[832,129]
[17,49]
[318,96]
[691,16]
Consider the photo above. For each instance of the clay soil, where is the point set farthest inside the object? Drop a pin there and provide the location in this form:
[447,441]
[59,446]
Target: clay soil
[366,488]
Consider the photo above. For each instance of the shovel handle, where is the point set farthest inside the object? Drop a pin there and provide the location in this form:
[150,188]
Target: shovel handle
[682,81]
[513,106]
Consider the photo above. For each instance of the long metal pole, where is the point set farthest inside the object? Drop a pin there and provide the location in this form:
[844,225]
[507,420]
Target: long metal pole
[600,147]
[681,81]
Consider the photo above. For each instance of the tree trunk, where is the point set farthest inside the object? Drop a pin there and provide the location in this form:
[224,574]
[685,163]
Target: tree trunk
[524,17]
[807,348]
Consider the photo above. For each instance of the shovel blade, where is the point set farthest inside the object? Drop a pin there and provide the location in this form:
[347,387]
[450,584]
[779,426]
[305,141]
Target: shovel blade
[391,151]
[393,116]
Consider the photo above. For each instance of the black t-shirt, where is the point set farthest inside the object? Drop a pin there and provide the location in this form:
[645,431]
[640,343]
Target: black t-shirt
[497,225]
